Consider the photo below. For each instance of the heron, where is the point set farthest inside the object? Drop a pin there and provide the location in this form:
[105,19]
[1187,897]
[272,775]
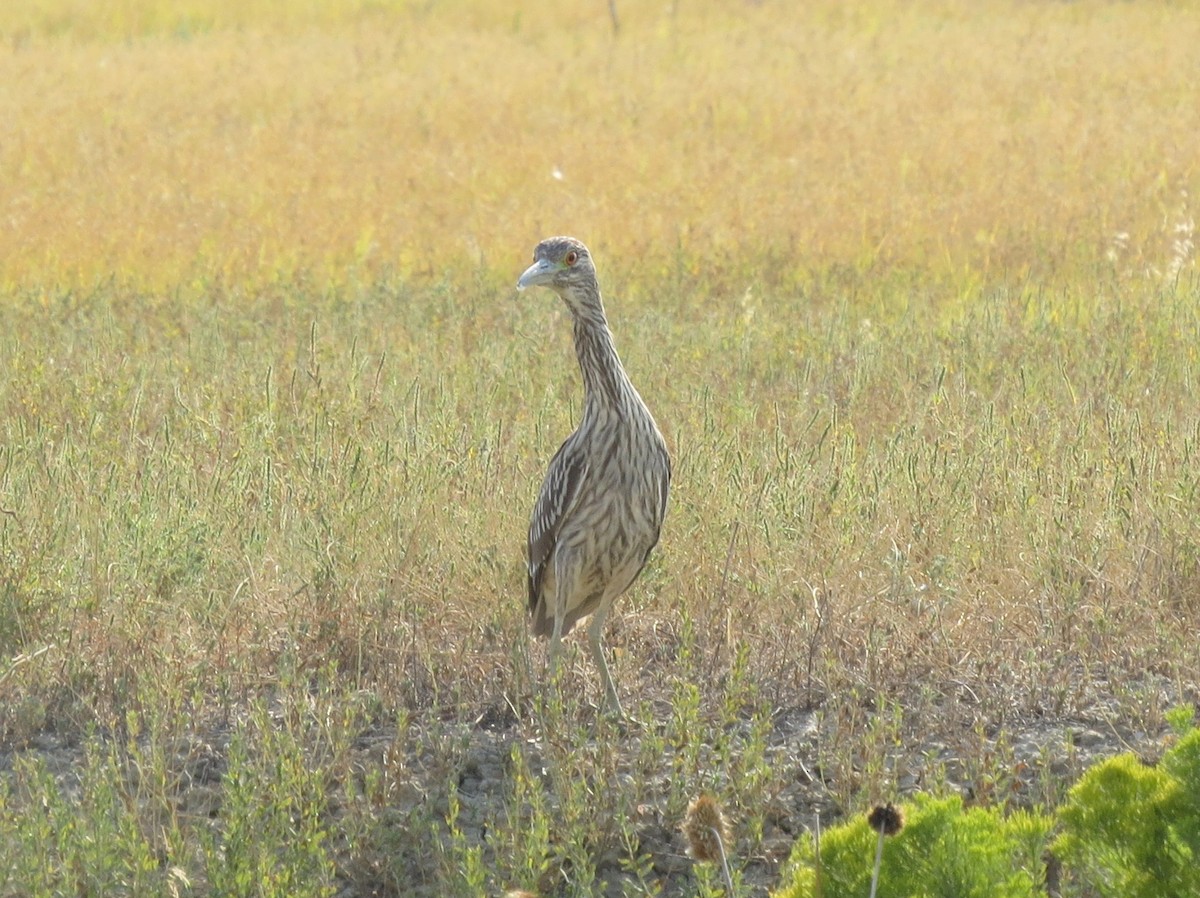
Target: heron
[600,509]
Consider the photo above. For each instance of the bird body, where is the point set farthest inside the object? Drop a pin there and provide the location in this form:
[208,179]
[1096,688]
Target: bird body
[601,507]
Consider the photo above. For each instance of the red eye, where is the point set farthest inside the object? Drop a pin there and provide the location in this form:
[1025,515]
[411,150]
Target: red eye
[572,257]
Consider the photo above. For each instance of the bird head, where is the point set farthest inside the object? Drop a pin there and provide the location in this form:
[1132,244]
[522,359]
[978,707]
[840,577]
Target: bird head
[563,264]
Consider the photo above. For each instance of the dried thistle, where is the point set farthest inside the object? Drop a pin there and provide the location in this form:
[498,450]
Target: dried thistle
[886,818]
[706,829]
[707,832]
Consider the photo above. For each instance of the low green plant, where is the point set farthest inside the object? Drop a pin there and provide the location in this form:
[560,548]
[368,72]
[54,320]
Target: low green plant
[1181,719]
[942,850]
[471,876]
[273,837]
[83,840]
[1133,830]
[523,847]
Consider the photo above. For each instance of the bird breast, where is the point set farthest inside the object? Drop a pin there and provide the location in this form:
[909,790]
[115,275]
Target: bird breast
[620,508]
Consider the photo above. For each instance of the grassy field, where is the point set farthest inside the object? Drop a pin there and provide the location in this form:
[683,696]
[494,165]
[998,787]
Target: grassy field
[239,141]
[911,289]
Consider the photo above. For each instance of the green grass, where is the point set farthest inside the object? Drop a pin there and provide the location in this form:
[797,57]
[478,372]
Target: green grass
[917,515]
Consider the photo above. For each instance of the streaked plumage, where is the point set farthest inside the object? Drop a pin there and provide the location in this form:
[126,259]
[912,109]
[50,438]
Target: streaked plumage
[601,507]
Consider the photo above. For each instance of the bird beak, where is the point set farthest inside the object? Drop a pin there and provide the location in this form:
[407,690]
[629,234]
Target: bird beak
[538,274]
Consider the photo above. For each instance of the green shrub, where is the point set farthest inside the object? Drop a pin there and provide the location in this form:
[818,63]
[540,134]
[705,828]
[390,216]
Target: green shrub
[272,840]
[85,834]
[942,850]
[1133,830]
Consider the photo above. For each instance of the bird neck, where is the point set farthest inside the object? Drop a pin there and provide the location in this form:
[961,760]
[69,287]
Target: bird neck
[605,383]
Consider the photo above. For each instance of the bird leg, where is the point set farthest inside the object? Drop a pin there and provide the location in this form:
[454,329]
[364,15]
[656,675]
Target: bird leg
[595,629]
[560,613]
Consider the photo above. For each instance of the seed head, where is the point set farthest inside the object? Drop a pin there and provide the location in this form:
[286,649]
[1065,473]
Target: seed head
[706,829]
[886,818]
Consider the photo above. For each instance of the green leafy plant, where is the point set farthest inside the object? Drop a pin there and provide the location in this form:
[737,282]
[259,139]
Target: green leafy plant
[1133,830]
[943,850]
[272,839]
[83,841]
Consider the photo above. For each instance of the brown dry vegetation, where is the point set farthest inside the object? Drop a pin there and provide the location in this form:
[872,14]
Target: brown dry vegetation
[987,137]
[910,287]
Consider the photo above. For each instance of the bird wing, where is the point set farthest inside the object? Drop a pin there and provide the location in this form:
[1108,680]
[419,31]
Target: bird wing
[559,493]
[663,484]
[664,488]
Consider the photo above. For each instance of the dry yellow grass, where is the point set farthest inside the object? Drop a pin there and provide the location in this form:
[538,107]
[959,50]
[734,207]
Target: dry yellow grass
[246,141]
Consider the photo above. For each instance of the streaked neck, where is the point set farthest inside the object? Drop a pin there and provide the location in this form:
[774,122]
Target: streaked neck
[605,383]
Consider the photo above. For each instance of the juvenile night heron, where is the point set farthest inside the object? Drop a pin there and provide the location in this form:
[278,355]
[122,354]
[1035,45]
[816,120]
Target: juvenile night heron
[601,507]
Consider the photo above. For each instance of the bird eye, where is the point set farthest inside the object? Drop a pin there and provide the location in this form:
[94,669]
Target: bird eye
[571,258]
